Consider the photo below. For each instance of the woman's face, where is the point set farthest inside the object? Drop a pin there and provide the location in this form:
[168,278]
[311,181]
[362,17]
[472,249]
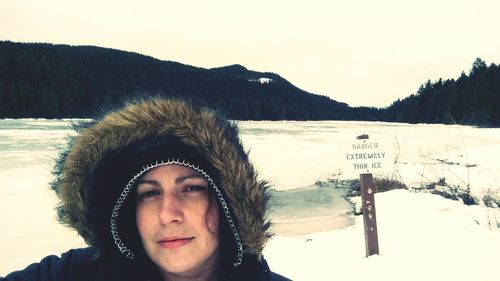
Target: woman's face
[177,225]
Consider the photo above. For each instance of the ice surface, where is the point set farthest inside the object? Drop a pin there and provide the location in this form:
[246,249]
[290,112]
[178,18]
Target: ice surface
[308,151]
[421,236]
[320,207]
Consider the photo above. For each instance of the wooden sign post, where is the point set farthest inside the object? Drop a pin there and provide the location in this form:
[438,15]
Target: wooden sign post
[369,214]
[362,157]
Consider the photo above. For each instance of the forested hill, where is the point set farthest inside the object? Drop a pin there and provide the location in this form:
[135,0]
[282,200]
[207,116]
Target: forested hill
[472,99]
[54,81]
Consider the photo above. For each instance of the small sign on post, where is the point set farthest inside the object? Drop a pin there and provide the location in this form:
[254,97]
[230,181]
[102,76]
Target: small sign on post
[363,157]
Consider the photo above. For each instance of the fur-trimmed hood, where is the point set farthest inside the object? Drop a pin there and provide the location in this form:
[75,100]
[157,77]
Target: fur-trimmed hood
[213,136]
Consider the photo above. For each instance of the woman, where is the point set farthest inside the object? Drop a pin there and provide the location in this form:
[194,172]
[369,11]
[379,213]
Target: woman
[160,190]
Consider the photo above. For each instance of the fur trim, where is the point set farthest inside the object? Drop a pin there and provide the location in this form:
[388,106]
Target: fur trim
[213,135]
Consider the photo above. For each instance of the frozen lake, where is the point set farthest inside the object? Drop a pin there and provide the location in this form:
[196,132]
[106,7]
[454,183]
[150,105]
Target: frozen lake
[297,157]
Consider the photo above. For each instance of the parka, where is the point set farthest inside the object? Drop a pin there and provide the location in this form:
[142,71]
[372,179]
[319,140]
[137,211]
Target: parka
[98,170]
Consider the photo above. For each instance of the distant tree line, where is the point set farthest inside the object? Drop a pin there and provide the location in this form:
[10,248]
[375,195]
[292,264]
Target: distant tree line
[472,99]
[54,81]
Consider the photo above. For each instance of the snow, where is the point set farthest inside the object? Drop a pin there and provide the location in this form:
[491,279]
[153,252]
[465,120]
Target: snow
[421,236]
[261,80]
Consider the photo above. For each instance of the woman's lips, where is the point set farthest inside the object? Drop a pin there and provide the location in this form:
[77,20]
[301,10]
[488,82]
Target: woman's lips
[174,242]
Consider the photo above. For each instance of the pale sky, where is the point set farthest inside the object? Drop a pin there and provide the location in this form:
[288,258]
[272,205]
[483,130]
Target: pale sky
[360,52]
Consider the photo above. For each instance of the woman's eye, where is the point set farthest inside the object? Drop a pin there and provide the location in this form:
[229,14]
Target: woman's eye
[191,188]
[148,194]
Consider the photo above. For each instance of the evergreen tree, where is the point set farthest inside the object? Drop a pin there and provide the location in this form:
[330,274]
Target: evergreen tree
[478,65]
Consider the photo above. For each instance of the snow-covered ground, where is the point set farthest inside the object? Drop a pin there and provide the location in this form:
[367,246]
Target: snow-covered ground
[421,236]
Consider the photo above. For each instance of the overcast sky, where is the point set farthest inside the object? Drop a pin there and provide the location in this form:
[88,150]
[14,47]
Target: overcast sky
[361,52]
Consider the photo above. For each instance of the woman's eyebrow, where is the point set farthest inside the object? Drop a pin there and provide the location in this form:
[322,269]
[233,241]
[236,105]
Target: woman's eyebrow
[192,176]
[151,182]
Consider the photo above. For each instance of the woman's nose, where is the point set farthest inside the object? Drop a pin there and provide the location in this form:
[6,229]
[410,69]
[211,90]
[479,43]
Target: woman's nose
[171,209]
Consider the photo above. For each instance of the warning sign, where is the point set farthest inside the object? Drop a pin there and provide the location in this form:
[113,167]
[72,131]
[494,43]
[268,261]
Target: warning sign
[365,156]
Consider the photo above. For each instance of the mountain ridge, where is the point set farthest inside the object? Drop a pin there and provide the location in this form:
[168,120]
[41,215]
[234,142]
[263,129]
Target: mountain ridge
[54,81]
[64,81]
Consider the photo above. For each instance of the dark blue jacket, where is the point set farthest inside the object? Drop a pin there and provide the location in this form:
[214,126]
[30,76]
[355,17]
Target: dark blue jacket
[82,265]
